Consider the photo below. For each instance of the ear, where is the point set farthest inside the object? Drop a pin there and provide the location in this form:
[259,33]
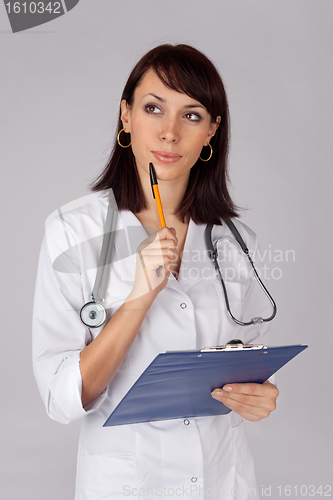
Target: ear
[125,116]
[212,129]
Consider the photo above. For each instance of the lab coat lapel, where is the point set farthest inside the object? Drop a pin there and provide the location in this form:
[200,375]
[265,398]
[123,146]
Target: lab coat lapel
[195,266]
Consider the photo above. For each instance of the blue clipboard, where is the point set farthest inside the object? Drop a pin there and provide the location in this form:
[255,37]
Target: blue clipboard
[179,384]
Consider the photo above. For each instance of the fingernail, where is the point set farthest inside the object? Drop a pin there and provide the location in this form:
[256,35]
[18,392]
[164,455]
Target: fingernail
[216,394]
[227,388]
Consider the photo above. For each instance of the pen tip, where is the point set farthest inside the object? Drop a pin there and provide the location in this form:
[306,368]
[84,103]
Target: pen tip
[152,172]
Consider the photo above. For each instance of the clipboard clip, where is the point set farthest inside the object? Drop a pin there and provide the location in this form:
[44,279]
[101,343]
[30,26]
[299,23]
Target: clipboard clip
[234,345]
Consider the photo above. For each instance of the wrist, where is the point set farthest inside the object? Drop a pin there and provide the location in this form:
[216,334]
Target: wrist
[135,302]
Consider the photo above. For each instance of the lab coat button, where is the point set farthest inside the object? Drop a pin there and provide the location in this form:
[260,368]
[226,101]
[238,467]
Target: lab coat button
[186,421]
[194,479]
[183,305]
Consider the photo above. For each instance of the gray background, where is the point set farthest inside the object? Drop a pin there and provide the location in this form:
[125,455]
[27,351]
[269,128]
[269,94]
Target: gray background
[60,90]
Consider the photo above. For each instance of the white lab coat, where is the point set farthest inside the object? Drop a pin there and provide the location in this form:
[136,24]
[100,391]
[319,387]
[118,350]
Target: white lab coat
[205,457]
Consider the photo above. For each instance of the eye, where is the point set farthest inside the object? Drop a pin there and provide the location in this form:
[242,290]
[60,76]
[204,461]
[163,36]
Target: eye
[152,109]
[193,117]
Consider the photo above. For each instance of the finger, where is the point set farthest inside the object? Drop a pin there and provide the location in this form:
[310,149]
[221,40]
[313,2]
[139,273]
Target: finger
[160,250]
[256,412]
[228,399]
[153,260]
[261,390]
[157,246]
[265,401]
[167,233]
[266,404]
[159,236]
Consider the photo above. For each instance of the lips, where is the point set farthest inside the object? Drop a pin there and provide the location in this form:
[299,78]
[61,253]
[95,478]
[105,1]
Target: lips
[166,156]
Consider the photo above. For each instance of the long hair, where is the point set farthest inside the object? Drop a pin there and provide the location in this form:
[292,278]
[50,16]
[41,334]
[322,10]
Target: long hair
[184,69]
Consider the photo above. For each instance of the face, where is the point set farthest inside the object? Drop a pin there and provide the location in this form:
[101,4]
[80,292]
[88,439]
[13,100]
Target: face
[167,128]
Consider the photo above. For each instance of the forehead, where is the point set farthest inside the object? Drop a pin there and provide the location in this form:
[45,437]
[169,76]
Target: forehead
[151,84]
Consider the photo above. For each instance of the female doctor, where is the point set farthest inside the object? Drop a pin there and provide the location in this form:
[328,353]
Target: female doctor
[162,296]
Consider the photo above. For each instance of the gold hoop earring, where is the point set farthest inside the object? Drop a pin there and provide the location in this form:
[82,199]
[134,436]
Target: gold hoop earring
[118,139]
[211,153]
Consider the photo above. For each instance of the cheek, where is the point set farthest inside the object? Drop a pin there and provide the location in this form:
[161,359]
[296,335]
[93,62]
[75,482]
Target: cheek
[141,132]
[196,144]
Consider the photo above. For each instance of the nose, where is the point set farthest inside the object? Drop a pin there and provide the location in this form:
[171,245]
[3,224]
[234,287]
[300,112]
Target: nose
[169,131]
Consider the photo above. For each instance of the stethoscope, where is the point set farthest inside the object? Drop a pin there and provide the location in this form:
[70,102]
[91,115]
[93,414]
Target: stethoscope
[93,313]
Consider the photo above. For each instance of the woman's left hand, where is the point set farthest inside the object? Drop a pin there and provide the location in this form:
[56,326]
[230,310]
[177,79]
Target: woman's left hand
[251,401]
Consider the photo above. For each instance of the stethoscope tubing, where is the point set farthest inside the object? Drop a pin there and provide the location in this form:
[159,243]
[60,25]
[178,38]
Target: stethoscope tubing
[100,285]
[212,250]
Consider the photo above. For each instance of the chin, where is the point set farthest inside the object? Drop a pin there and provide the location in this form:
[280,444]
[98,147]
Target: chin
[173,176]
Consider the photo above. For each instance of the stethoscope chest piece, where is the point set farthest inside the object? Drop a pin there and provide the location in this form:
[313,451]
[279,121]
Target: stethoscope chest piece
[93,314]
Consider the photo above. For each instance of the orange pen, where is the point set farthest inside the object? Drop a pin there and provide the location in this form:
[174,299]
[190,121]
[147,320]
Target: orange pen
[156,194]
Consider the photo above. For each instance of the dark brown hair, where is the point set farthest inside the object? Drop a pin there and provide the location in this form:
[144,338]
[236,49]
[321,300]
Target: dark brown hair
[184,69]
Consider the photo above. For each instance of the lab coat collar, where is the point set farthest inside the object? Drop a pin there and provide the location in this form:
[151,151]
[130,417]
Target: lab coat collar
[195,267]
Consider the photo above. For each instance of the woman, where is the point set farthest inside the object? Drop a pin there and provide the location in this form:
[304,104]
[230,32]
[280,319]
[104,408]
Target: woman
[163,297]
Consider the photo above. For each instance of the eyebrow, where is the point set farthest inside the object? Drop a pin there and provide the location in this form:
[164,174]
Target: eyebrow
[188,106]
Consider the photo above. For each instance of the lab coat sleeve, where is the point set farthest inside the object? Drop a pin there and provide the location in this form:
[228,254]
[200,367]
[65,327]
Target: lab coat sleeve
[58,338]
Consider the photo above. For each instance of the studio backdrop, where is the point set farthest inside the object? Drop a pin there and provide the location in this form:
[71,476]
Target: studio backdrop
[62,75]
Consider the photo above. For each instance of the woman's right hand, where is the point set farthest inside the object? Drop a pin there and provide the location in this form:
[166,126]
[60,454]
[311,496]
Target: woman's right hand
[155,255]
